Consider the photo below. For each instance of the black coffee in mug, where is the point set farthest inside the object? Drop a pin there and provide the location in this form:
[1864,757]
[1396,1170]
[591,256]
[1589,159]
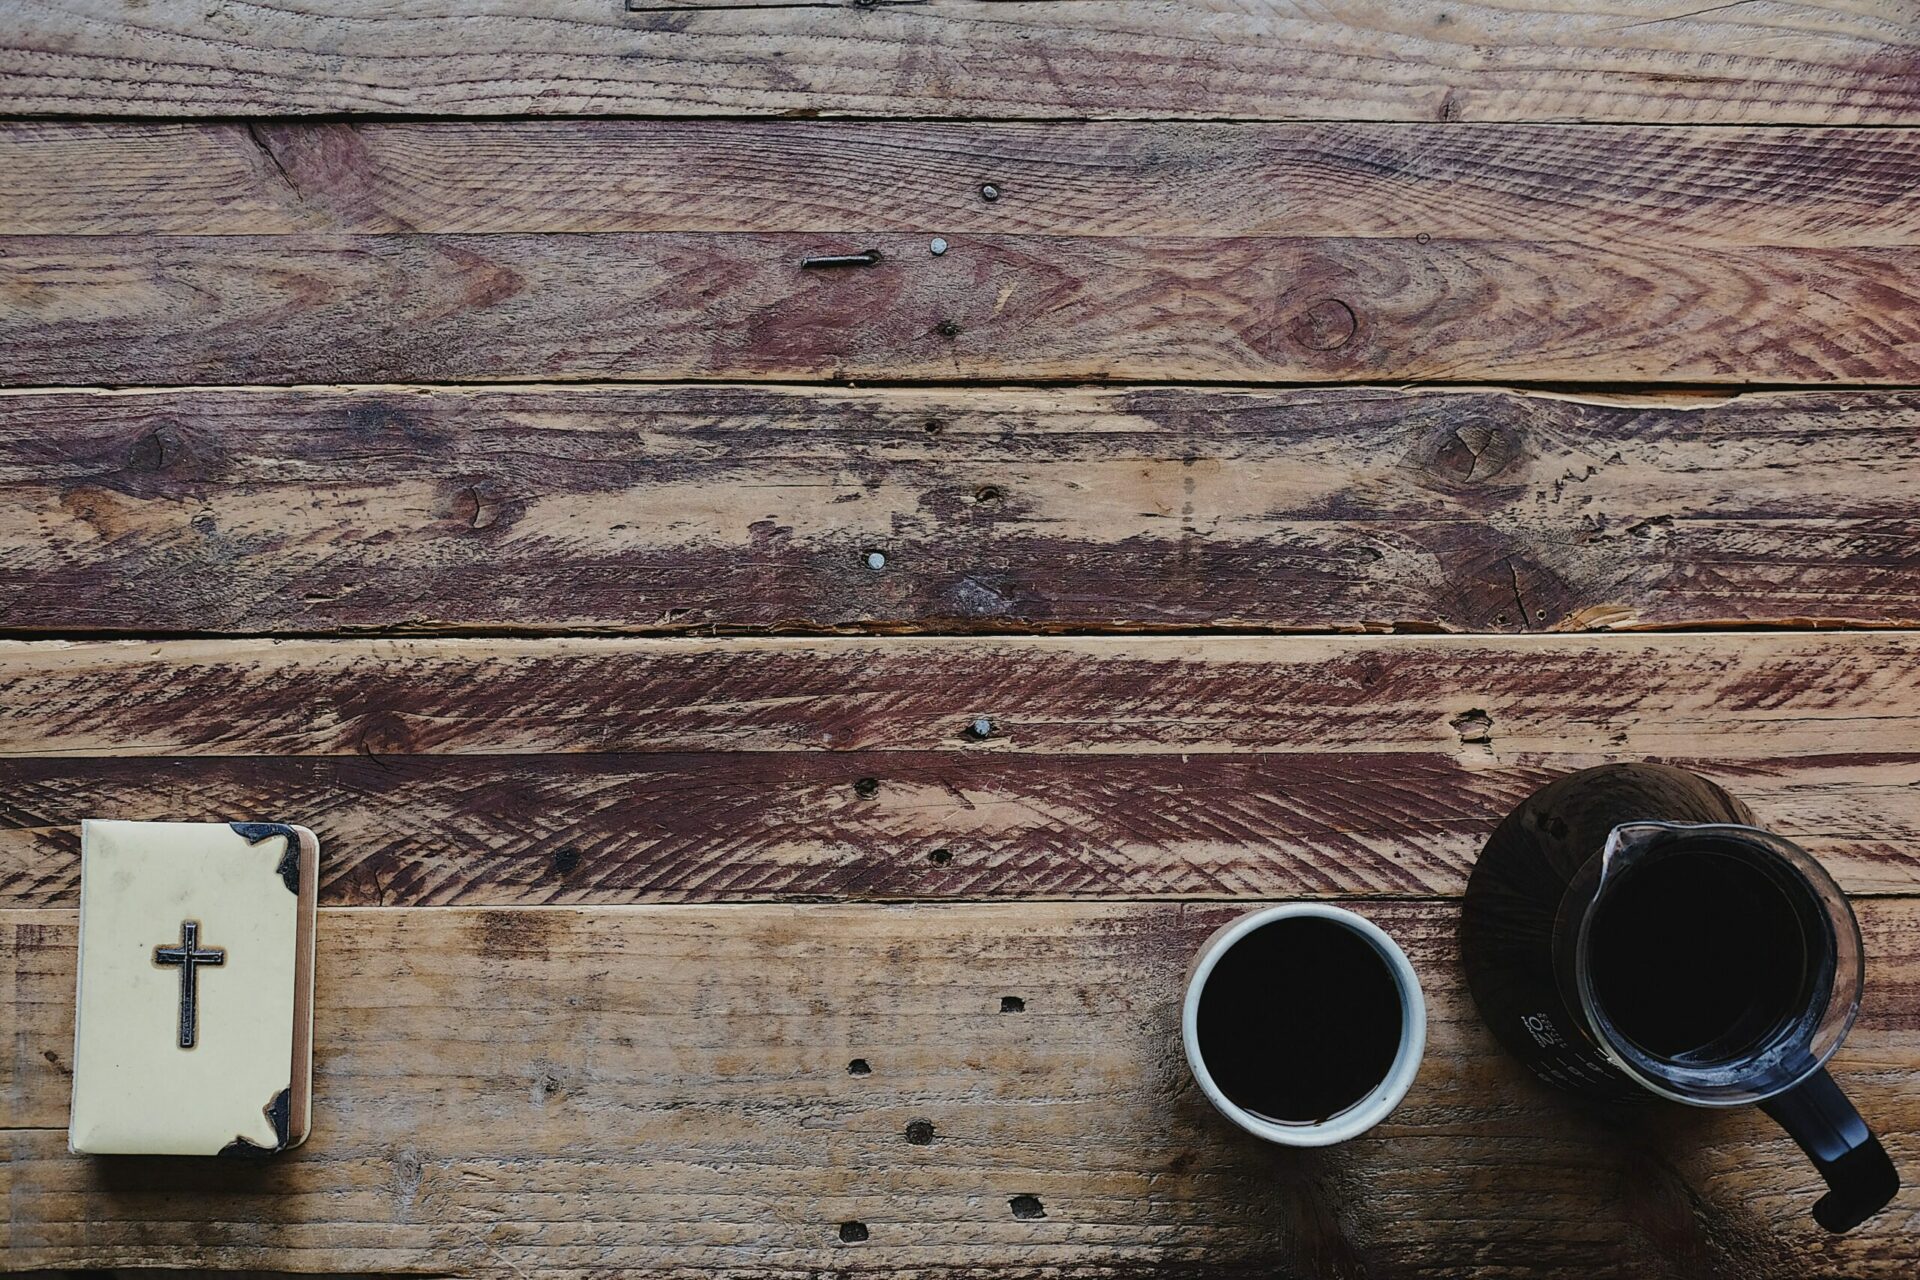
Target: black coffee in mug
[1304,1023]
[1300,1020]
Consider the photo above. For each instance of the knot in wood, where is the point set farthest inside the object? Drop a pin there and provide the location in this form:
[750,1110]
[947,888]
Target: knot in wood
[1326,325]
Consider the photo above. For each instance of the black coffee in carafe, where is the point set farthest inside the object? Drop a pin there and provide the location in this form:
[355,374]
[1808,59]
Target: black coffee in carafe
[1629,930]
[1701,957]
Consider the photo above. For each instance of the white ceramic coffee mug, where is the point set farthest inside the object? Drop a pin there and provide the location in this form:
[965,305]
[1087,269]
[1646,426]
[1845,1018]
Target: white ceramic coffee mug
[1381,1097]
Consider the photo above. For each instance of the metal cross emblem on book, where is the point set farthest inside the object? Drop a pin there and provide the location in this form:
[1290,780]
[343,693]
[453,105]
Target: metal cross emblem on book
[189,955]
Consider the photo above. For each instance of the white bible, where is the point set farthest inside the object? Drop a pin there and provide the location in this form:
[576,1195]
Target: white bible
[193,1029]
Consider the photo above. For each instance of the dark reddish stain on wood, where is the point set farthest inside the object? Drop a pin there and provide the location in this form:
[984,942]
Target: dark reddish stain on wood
[169,310]
[536,830]
[324,511]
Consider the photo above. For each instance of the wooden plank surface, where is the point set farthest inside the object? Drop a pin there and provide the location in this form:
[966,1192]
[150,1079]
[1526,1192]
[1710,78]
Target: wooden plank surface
[687,508]
[666,1092]
[1727,696]
[520,771]
[934,827]
[572,1019]
[141,310]
[1831,62]
[1599,185]
[433,252]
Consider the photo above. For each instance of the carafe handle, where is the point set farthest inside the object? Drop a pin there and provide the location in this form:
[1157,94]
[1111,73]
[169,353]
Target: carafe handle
[1860,1177]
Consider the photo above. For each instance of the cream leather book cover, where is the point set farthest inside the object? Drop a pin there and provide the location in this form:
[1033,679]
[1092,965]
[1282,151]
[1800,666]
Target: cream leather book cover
[194,1020]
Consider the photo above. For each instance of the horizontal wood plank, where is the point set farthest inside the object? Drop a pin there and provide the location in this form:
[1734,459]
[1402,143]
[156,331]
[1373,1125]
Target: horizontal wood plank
[406,831]
[1832,62]
[666,1092]
[1721,696]
[685,508]
[1597,185]
[142,310]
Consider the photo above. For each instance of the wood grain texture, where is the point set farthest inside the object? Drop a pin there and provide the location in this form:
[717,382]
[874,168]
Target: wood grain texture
[522,1073]
[127,310]
[1594,185]
[406,831]
[1830,62]
[1720,696]
[665,1091]
[688,508]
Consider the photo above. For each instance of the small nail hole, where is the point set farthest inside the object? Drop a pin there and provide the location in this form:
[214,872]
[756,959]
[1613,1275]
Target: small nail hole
[1012,1004]
[920,1133]
[852,1232]
[988,493]
[565,860]
[948,328]
[867,787]
[940,857]
[1025,1207]
[859,1067]
[934,427]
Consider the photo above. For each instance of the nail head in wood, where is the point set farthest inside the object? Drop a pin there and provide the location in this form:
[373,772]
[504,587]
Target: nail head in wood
[866,258]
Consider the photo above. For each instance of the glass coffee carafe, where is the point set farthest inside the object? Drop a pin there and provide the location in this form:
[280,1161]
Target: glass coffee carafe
[1628,930]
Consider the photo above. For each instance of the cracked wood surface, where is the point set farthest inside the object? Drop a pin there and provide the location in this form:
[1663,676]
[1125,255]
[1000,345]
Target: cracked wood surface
[1831,62]
[681,508]
[666,1091]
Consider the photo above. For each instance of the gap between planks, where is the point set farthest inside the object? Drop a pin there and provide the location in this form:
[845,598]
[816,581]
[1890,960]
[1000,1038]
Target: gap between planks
[450,771]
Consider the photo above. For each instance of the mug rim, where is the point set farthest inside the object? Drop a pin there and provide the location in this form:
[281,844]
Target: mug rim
[1382,1099]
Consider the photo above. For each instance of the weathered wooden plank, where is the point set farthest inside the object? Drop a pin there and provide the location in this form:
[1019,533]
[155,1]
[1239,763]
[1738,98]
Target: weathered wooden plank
[1670,185]
[682,508]
[1833,62]
[406,831]
[666,1092]
[1720,696]
[122,310]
